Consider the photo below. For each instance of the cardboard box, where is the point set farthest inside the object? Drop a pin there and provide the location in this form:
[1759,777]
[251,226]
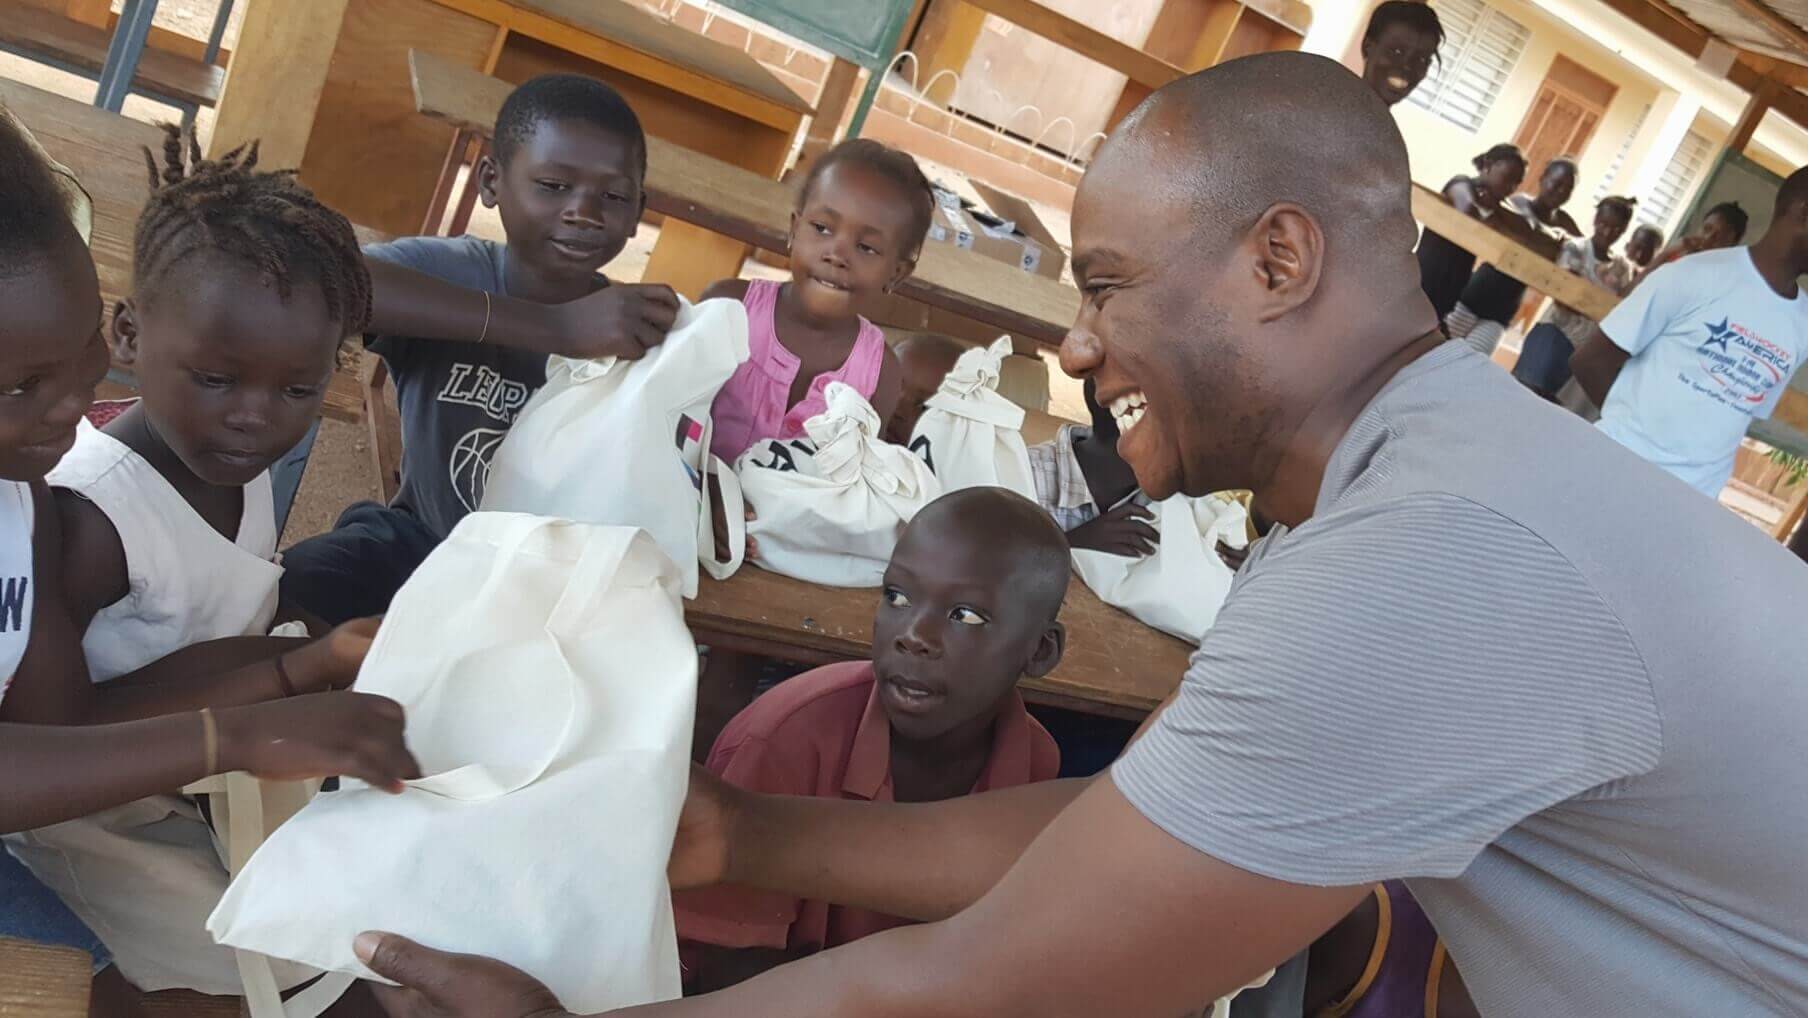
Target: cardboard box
[1007,230]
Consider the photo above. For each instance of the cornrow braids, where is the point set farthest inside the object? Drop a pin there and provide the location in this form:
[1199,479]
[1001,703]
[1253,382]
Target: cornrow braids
[264,218]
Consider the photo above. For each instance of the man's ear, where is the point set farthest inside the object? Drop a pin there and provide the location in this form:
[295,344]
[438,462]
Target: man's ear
[489,178]
[1287,249]
[1049,649]
[125,332]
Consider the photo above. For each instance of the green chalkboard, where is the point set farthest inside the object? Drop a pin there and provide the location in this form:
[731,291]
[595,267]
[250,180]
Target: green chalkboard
[863,32]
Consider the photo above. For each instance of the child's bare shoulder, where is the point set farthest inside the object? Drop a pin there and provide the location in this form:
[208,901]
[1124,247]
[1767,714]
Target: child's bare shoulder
[92,560]
[733,289]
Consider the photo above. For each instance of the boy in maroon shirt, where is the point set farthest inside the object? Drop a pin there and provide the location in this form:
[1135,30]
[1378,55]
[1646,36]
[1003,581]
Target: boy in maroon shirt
[968,607]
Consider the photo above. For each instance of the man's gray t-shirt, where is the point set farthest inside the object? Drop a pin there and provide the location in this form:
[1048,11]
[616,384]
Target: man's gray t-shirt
[1547,683]
[457,400]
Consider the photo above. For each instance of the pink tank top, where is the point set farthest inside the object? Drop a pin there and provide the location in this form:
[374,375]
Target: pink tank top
[753,403]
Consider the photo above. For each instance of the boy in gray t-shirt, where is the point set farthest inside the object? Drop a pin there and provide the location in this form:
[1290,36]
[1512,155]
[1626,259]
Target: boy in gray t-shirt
[566,179]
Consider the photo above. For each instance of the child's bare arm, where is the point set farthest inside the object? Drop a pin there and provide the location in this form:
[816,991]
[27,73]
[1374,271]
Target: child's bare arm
[890,387]
[616,321]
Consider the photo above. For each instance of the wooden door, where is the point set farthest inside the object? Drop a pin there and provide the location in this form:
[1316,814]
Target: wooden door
[1569,106]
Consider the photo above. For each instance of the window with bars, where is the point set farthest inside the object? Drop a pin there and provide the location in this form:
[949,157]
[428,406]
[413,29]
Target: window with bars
[1669,196]
[1481,45]
[1612,175]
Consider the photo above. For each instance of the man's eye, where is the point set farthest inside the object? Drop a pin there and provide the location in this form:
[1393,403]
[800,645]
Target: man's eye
[967,616]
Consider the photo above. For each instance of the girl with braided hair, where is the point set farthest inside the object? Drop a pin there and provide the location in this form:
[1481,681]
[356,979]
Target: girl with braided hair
[245,286]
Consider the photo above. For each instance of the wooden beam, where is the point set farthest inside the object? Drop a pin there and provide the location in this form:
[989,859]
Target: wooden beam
[279,64]
[1783,72]
[1790,32]
[1751,117]
[1510,256]
[1664,22]
[1083,39]
[831,111]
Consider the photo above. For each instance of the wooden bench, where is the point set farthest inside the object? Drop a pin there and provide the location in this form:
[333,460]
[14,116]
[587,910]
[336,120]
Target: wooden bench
[62,41]
[104,151]
[1114,666]
[747,207]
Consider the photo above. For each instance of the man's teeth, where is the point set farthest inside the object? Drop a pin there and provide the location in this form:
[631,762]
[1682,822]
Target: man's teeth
[1396,82]
[1128,411]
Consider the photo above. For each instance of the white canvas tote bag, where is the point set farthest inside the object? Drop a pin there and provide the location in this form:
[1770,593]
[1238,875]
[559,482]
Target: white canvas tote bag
[550,686]
[626,443]
[1179,588]
[831,509]
[970,435]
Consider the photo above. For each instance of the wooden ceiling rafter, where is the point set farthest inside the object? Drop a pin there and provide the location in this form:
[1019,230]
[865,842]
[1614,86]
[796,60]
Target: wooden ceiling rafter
[1750,71]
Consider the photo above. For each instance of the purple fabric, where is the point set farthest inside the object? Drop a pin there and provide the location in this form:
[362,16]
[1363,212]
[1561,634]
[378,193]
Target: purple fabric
[1399,987]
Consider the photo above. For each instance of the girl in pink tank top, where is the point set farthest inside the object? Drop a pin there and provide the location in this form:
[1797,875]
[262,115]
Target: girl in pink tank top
[859,225]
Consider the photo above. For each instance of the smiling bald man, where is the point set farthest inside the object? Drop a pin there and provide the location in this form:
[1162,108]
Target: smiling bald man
[1485,650]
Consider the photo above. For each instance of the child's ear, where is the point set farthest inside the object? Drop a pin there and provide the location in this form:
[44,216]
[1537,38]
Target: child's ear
[1048,651]
[125,332]
[489,177]
[1288,249]
[905,267]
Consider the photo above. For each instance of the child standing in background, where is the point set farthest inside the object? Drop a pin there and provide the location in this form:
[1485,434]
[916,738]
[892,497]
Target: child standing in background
[861,218]
[1444,268]
[464,326]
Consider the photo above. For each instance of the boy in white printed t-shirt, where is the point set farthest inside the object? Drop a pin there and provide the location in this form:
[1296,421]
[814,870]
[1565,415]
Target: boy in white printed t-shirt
[1687,361]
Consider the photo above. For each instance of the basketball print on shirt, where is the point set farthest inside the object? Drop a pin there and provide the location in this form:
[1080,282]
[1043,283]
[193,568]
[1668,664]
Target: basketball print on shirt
[469,465]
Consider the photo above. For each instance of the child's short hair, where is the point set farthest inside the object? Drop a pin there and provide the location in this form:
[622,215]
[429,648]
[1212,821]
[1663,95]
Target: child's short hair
[1414,14]
[1620,204]
[895,166]
[34,209]
[566,97]
[1505,152]
[264,218]
[1733,216]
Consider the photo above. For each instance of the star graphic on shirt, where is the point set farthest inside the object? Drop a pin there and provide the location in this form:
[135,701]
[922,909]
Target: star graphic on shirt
[1718,334]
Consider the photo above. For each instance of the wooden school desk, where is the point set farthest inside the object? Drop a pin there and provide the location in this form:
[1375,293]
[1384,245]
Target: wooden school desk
[105,152]
[1114,666]
[694,188]
[370,156]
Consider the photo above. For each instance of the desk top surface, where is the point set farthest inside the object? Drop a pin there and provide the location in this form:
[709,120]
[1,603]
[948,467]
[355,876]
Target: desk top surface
[674,44]
[1113,664]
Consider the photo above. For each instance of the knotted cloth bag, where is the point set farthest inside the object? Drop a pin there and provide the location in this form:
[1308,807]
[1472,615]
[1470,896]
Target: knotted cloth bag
[831,509]
[1179,588]
[971,436]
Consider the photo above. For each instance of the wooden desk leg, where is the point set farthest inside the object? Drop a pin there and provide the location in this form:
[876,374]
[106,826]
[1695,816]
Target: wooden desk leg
[384,426]
[456,157]
[1792,518]
[831,110]
[467,198]
[689,258]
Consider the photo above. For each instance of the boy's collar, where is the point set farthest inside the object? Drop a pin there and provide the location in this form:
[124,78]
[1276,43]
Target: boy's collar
[868,774]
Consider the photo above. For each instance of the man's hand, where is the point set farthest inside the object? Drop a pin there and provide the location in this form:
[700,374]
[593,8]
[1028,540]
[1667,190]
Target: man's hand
[624,320]
[331,662]
[1123,531]
[318,736]
[435,984]
[701,851]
